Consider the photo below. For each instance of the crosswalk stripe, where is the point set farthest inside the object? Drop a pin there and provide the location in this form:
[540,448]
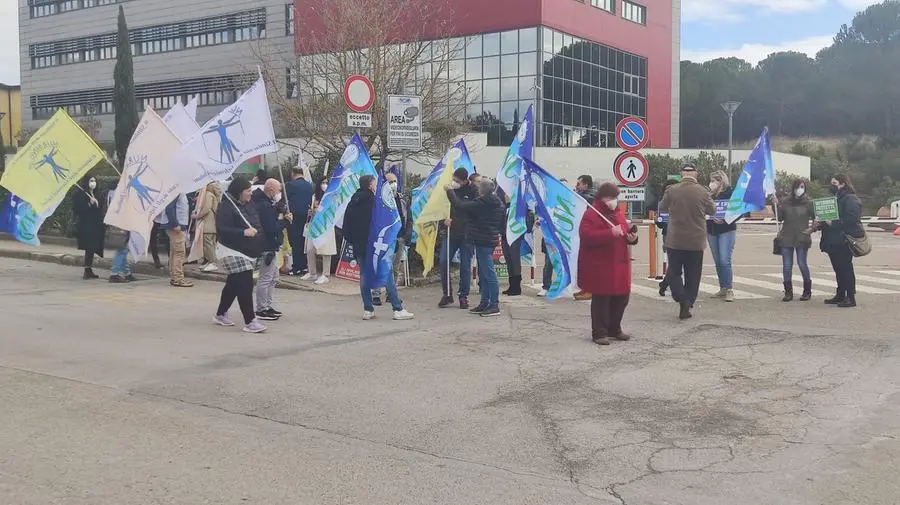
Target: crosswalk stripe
[879,280]
[890,272]
[647,292]
[862,289]
[755,283]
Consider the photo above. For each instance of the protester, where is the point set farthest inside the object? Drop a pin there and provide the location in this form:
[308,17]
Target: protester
[327,249]
[89,228]
[512,253]
[273,222]
[796,215]
[174,220]
[258,180]
[664,229]
[604,264]
[834,239]
[687,203]
[721,237]
[403,237]
[206,215]
[299,196]
[239,245]
[121,269]
[154,245]
[357,225]
[486,215]
[584,186]
[457,241]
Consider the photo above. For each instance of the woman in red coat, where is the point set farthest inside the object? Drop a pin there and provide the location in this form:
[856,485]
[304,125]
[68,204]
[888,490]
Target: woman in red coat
[604,264]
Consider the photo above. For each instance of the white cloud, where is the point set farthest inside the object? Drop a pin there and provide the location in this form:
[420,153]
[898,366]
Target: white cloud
[736,10]
[754,53]
[858,5]
[9,42]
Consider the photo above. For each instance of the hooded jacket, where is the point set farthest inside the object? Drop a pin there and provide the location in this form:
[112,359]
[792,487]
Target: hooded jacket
[272,228]
[358,220]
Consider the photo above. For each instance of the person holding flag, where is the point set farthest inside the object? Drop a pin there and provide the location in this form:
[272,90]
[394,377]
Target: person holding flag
[371,225]
[604,264]
[457,240]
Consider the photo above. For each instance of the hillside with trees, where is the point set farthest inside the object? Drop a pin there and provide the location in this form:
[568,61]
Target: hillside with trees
[849,94]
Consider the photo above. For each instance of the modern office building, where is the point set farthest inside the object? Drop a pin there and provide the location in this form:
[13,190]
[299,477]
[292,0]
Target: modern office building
[586,63]
[181,49]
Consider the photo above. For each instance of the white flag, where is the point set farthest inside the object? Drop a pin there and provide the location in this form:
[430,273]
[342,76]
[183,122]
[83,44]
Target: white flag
[191,107]
[236,134]
[149,180]
[180,120]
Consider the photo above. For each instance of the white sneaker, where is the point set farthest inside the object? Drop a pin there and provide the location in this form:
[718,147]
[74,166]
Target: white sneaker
[308,277]
[209,267]
[403,315]
[368,315]
[720,294]
[542,292]
[729,295]
[322,280]
[254,327]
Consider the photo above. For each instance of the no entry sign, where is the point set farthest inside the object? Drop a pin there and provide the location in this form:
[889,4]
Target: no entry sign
[632,134]
[631,169]
[359,93]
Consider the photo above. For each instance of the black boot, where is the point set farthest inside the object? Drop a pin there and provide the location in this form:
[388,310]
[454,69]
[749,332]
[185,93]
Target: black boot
[850,301]
[807,290]
[685,312]
[788,292]
[89,274]
[838,298]
[515,286]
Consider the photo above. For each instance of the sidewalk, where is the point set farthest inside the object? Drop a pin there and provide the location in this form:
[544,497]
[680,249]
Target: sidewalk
[56,250]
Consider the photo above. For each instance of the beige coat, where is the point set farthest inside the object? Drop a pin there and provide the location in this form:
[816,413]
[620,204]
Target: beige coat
[688,203]
[209,207]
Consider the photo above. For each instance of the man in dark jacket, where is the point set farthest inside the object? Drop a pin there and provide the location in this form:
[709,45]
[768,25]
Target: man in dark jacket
[357,226]
[299,196]
[457,240]
[273,222]
[487,220]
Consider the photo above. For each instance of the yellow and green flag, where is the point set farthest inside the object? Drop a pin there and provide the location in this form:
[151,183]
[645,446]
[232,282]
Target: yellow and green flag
[58,155]
[430,204]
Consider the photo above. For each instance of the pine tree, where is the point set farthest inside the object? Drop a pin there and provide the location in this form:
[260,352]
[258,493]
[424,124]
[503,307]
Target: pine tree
[124,101]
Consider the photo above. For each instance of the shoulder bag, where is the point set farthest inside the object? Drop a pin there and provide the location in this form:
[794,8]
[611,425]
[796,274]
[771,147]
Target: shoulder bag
[859,246]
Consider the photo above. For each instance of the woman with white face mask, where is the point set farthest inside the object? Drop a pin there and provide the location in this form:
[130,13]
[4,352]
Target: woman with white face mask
[326,250]
[796,215]
[90,209]
[721,236]
[604,264]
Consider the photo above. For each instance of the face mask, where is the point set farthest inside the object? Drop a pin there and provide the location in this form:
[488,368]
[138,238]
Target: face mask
[713,186]
[834,190]
[277,198]
[800,191]
[393,186]
[324,187]
[455,185]
[612,204]
[92,184]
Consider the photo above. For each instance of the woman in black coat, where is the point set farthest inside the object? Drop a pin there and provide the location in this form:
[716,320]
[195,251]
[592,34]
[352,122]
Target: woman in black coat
[834,239]
[90,207]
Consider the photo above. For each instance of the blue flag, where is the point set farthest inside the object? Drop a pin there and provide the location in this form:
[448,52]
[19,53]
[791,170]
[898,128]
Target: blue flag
[19,220]
[382,237]
[509,177]
[756,183]
[399,174]
[560,210]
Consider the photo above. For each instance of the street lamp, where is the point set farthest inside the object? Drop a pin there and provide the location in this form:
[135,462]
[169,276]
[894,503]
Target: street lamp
[730,107]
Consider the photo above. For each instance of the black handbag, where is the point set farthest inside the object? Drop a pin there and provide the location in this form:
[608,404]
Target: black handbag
[776,246]
[117,238]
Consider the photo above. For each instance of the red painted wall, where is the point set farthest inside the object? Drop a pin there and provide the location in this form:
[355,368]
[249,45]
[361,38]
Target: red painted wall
[653,41]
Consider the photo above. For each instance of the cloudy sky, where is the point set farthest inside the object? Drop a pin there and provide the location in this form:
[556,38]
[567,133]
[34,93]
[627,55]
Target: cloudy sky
[748,29]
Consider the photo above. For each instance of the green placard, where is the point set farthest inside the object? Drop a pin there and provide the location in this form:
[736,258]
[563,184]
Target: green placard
[675,177]
[826,209]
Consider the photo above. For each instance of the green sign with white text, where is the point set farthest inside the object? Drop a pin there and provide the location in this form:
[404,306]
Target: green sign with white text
[826,209]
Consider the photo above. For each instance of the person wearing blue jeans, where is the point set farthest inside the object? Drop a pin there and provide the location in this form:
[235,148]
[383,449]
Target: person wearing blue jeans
[457,239]
[121,269]
[795,214]
[487,220]
[721,237]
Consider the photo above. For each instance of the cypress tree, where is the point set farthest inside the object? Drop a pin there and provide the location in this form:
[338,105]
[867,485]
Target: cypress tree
[124,101]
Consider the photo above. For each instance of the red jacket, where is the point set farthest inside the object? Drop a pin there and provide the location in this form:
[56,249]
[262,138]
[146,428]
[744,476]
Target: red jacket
[604,262]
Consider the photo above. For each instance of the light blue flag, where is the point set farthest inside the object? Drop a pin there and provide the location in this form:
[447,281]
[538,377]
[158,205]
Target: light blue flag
[20,221]
[382,237]
[355,163]
[561,211]
[509,178]
[756,183]
[422,193]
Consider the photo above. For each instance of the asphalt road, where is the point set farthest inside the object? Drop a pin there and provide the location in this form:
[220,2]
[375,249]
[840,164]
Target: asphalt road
[126,395]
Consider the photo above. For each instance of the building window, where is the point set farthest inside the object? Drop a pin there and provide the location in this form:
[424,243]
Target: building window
[607,5]
[289,19]
[237,27]
[634,12]
[43,8]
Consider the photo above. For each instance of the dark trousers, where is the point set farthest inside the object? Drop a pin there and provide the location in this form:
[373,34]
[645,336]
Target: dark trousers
[547,277]
[154,244]
[606,315]
[240,286]
[842,263]
[512,253]
[690,265]
[88,259]
[298,248]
